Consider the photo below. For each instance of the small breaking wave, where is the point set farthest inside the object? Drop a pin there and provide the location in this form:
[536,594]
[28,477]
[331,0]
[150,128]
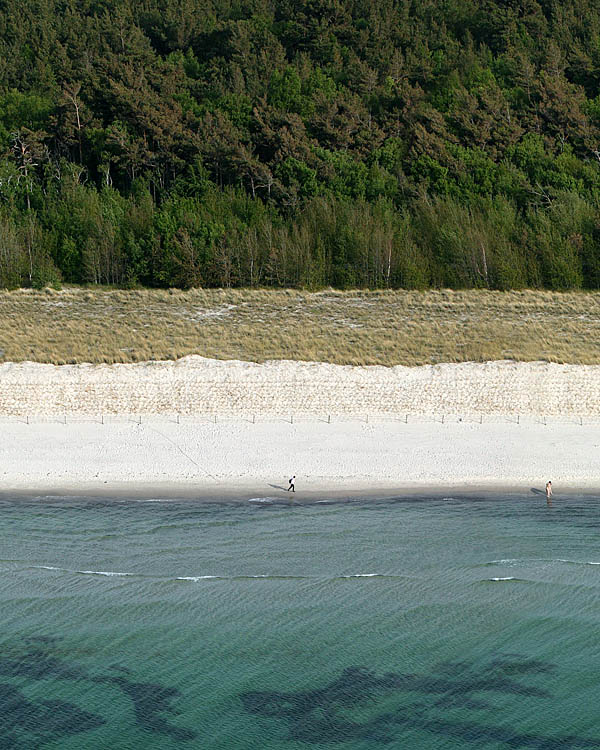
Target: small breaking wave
[232,577]
[83,572]
[272,577]
[503,578]
[101,573]
[263,576]
[532,561]
[576,562]
[508,561]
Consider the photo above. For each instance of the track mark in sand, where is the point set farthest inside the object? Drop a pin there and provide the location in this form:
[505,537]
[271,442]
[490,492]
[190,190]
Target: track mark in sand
[183,453]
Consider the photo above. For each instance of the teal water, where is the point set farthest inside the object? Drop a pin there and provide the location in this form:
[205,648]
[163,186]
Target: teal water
[413,623]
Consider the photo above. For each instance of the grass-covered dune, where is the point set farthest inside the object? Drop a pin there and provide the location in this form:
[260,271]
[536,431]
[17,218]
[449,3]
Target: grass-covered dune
[359,328]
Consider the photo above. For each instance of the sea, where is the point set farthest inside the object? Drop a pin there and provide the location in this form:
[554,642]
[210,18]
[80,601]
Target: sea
[423,622]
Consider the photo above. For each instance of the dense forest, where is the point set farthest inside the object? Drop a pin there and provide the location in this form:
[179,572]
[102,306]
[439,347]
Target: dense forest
[307,143]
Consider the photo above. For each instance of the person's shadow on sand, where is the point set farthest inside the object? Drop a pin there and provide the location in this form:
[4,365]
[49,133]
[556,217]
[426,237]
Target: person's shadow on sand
[536,491]
[278,487]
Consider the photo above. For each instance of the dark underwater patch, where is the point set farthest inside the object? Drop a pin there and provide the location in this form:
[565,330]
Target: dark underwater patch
[150,701]
[42,658]
[26,724]
[326,715]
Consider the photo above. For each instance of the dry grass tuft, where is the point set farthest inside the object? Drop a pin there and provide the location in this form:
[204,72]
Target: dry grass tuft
[357,328]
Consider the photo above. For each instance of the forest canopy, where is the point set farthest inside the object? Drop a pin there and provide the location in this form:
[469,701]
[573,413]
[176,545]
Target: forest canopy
[303,143]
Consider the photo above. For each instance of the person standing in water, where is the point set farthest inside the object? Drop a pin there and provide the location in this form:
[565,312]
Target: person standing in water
[292,484]
[548,490]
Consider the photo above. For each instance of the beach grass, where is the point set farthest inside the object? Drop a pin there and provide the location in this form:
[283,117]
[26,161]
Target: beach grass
[356,327]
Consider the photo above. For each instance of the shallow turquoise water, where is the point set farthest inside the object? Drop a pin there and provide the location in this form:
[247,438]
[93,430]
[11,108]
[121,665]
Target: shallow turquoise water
[417,623]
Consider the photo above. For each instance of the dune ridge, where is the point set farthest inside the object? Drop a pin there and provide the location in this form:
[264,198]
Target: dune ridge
[196,385]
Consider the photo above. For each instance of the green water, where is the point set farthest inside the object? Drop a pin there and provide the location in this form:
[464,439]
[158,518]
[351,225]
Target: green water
[360,624]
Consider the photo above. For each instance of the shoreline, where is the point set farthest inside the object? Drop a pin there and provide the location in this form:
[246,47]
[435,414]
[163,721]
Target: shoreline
[259,494]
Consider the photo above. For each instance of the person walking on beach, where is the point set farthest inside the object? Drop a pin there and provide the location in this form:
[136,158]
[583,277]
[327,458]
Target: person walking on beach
[292,484]
[548,490]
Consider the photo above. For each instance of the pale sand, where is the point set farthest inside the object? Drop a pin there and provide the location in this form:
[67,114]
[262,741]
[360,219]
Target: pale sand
[196,386]
[347,455]
[338,456]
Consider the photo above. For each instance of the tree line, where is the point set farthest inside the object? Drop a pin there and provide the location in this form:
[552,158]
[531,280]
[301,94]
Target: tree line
[304,143]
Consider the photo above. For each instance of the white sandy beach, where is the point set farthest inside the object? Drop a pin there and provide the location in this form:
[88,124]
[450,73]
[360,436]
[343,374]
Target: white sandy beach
[256,458]
[247,427]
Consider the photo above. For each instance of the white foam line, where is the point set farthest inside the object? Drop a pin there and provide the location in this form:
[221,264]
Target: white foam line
[239,578]
[227,578]
[83,572]
[272,576]
[101,573]
[507,578]
[541,560]
[576,562]
[260,576]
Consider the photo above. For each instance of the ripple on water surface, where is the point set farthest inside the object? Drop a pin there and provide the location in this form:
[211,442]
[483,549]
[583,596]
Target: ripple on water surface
[405,623]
